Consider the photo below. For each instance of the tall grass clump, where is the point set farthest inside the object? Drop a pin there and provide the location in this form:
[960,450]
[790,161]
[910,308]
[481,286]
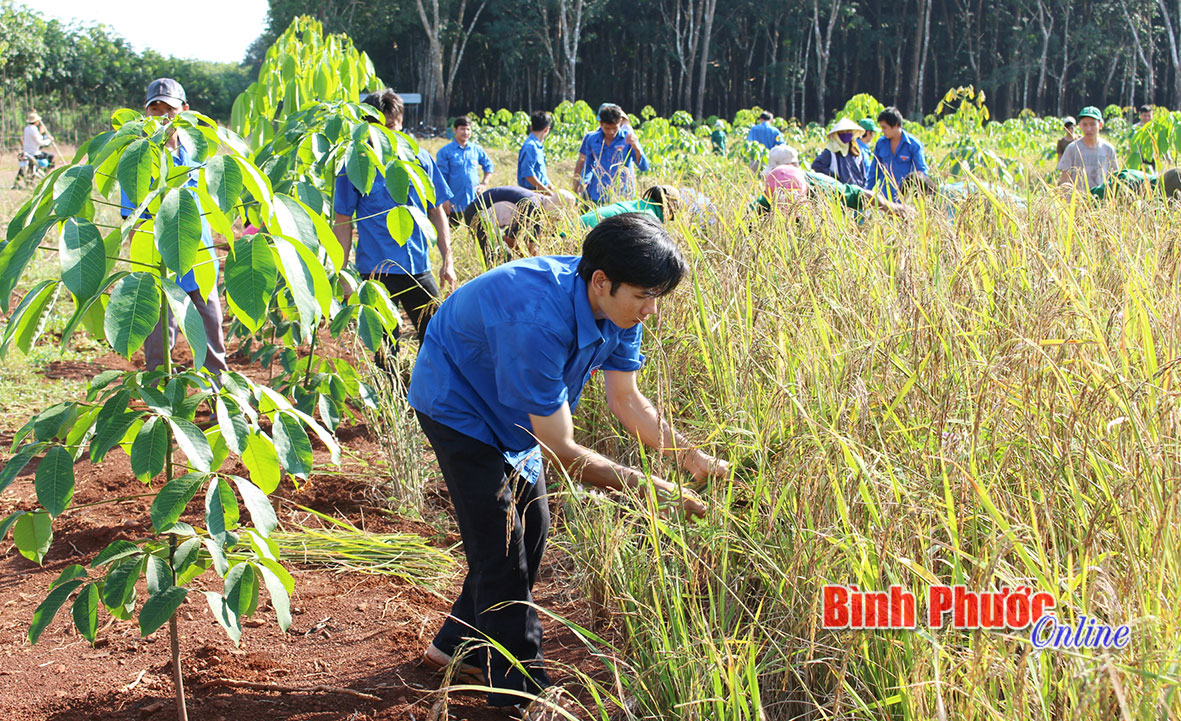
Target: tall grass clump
[985,397]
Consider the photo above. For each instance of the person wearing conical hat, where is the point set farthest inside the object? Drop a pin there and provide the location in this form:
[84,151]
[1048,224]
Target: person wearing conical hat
[841,156]
[36,137]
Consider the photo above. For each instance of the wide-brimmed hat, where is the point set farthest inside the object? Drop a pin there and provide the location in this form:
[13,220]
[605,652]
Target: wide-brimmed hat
[781,155]
[32,117]
[845,125]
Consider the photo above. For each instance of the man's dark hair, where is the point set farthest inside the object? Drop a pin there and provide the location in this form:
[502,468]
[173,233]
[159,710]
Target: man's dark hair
[386,101]
[633,248]
[666,197]
[540,120]
[891,116]
[611,115]
[1145,109]
[765,116]
[462,121]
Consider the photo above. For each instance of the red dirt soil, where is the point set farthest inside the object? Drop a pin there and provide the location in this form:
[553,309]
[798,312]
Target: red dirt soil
[358,632]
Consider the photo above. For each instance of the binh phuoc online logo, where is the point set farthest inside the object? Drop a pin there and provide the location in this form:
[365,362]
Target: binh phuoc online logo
[1006,609]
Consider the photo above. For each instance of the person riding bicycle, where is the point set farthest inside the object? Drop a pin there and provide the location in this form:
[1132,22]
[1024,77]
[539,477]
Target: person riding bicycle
[36,137]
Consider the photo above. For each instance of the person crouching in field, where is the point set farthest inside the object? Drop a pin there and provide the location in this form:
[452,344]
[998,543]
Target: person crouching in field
[660,202]
[498,376]
[508,212]
[164,99]
[404,269]
[606,157]
[465,166]
[531,170]
[1090,159]
[36,138]
[783,179]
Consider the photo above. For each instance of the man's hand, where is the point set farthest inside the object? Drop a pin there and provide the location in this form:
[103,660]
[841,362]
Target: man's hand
[633,141]
[689,501]
[703,466]
[447,207]
[447,275]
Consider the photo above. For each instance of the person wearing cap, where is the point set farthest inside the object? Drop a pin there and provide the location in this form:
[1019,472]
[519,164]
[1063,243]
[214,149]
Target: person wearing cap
[896,155]
[718,137]
[461,163]
[660,202]
[841,157]
[1090,159]
[165,98]
[1068,137]
[764,132]
[606,158]
[500,373]
[35,138]
[403,268]
[531,170]
[865,141]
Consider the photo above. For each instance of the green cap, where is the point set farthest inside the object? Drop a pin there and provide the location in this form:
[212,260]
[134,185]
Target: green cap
[1091,112]
[868,124]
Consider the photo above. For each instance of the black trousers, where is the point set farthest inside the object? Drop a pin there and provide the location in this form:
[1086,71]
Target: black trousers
[418,296]
[503,521]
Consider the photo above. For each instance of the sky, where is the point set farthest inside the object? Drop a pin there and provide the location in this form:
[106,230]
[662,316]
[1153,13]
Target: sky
[216,30]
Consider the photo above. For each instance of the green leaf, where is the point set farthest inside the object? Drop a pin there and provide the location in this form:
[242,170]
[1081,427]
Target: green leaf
[173,498]
[262,514]
[83,258]
[195,142]
[178,230]
[369,328]
[188,318]
[262,462]
[69,573]
[15,256]
[150,450]
[17,463]
[32,535]
[221,511]
[48,608]
[232,424]
[298,221]
[186,555]
[119,586]
[306,278]
[292,445]
[47,425]
[71,191]
[251,277]
[55,480]
[158,575]
[223,179]
[216,555]
[133,313]
[397,179]
[400,223]
[329,412]
[224,615]
[85,612]
[8,522]
[29,319]
[112,422]
[357,166]
[114,551]
[242,589]
[280,594]
[258,185]
[159,608]
[193,442]
[135,170]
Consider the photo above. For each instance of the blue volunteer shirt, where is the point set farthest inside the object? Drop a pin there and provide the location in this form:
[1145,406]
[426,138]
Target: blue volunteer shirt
[765,133]
[376,248]
[605,163]
[520,339]
[180,158]
[461,167]
[531,162]
[888,168]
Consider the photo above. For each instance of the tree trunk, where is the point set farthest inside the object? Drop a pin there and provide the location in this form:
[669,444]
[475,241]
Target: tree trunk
[1150,77]
[918,105]
[1043,14]
[707,28]
[823,51]
[1174,56]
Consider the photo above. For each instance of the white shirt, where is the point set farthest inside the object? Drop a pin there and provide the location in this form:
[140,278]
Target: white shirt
[34,140]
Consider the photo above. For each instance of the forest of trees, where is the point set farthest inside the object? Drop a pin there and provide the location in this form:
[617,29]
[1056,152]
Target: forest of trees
[800,58]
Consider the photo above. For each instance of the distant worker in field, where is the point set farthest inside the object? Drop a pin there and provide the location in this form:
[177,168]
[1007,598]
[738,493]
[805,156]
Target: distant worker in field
[660,202]
[1145,113]
[497,379]
[896,155]
[403,268]
[36,138]
[1068,135]
[841,156]
[718,137]
[1090,159]
[165,98]
[531,170]
[764,132]
[466,167]
[512,212]
[787,184]
[865,141]
[605,159]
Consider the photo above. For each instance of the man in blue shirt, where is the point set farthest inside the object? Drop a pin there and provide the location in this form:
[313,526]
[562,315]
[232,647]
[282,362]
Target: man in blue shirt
[605,158]
[531,173]
[461,162]
[896,155]
[764,132]
[405,270]
[164,99]
[499,374]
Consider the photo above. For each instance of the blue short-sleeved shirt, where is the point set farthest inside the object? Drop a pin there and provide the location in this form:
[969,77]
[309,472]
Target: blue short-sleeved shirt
[461,167]
[531,162]
[765,133]
[520,339]
[605,163]
[888,168]
[180,158]
[376,248]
